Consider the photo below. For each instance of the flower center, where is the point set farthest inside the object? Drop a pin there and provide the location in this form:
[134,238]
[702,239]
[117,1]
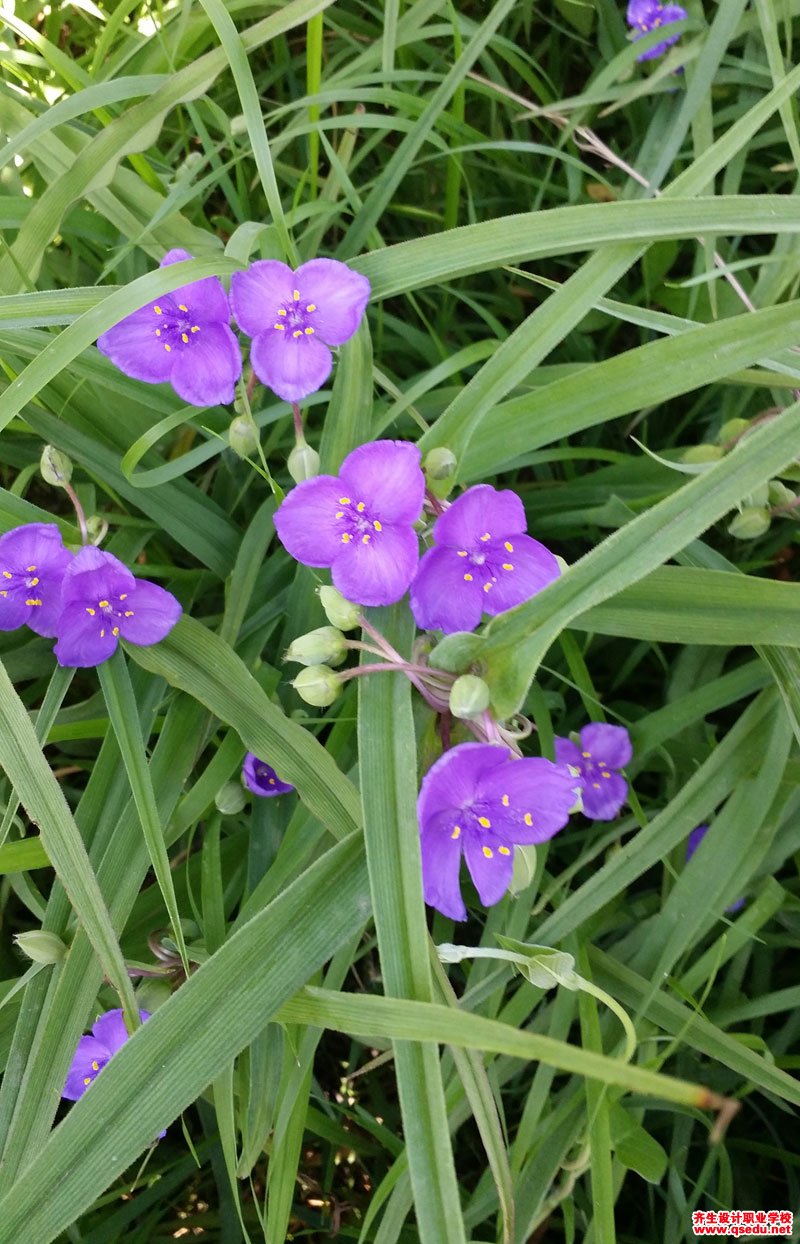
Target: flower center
[26,581]
[487,562]
[356,523]
[111,612]
[174,328]
[94,1070]
[593,769]
[294,317]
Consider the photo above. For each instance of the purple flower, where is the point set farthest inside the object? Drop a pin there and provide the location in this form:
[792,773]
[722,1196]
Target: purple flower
[184,337]
[294,316]
[482,562]
[695,838]
[478,799]
[101,602]
[360,523]
[108,1035]
[603,749]
[261,778]
[647,15]
[32,565]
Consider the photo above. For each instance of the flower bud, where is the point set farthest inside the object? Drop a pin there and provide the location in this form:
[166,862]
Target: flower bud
[702,453]
[41,947]
[303,462]
[469,696]
[524,868]
[317,685]
[779,494]
[243,436]
[230,799]
[152,993]
[440,471]
[732,430]
[751,523]
[324,646]
[55,467]
[339,612]
[96,528]
[758,497]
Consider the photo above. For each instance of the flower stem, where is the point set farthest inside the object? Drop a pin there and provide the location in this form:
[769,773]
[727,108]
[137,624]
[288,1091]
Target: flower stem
[79,511]
[298,423]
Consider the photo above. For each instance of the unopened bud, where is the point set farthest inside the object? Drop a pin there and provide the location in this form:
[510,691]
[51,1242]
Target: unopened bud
[56,468]
[153,993]
[243,436]
[698,454]
[317,685]
[303,462]
[340,613]
[469,696]
[230,799]
[758,497]
[96,528]
[524,869]
[751,523]
[732,430]
[324,646]
[41,947]
[779,494]
[440,471]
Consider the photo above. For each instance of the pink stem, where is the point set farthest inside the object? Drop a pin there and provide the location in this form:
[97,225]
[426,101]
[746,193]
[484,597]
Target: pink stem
[298,422]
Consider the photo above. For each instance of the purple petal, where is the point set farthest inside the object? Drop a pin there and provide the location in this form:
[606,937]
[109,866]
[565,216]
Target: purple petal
[522,568]
[377,573]
[205,299]
[490,862]
[205,372]
[33,561]
[261,778]
[80,643]
[306,521]
[528,800]
[339,295]
[257,294]
[133,347]
[440,598]
[477,511]
[386,475]
[153,610]
[608,745]
[603,797]
[441,863]
[89,1051]
[452,781]
[93,575]
[110,1029]
[642,12]
[567,752]
[293,367]
[695,838]
[32,544]
[13,610]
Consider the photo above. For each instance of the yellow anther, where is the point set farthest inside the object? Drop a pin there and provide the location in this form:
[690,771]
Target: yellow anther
[280,327]
[87,1080]
[596,785]
[605,775]
[281,311]
[102,634]
[29,569]
[195,328]
[115,631]
[507,566]
[182,307]
[484,822]
[271,781]
[6,574]
[456,832]
[486,536]
[158,310]
[311,307]
[486,587]
[366,539]
[91,612]
[467,578]
[296,295]
[309,331]
[123,596]
[298,332]
[33,583]
[488,852]
[340,513]
[528,819]
[3,593]
[31,601]
[504,850]
[461,552]
[167,348]
[95,1065]
[158,332]
[505,801]
[378,525]
[344,501]
[102,604]
[185,338]
[586,754]
[361,507]
[346,537]
[128,613]
[508,546]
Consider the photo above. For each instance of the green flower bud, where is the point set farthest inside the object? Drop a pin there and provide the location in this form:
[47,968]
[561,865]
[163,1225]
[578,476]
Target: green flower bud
[230,799]
[339,612]
[324,646]
[779,494]
[303,462]
[440,463]
[751,523]
[702,453]
[243,436]
[317,685]
[524,869]
[41,947]
[153,993]
[469,696]
[758,497]
[55,467]
[732,430]
[96,528]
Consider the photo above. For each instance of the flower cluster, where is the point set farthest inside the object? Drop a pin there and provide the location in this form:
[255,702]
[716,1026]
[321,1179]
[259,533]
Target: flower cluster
[87,601]
[185,337]
[645,16]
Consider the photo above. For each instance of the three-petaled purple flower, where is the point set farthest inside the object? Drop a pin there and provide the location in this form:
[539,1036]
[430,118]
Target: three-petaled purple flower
[184,338]
[603,749]
[361,522]
[33,562]
[261,778]
[478,800]
[647,15]
[102,602]
[695,838]
[482,562]
[293,317]
[109,1034]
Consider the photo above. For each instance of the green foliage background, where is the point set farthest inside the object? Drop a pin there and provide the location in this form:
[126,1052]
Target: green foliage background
[566,249]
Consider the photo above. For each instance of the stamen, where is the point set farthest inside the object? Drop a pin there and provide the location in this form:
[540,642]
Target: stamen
[378,525]
[344,501]
[182,307]
[586,754]
[528,819]
[596,785]
[361,507]
[486,536]
[508,546]
[488,852]
[340,514]
[122,596]
[311,307]
[456,832]
[281,310]
[3,593]
[87,1080]
[366,539]
[504,850]
[128,613]
[185,338]
[296,295]
[461,552]
[484,822]
[486,587]
[605,775]
[115,631]
[467,578]
[281,327]
[102,604]
[158,332]
[33,582]
[309,331]
[158,311]
[507,566]
[271,781]
[505,801]
[95,1065]
[167,348]
[102,634]
[33,602]
[7,574]
[195,328]
[346,537]
[29,569]
[298,332]
[91,612]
